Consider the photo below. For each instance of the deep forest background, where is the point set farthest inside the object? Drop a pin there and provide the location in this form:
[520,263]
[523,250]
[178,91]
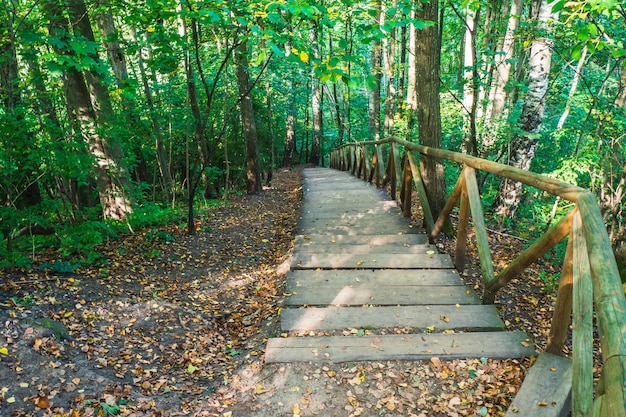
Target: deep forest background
[116,115]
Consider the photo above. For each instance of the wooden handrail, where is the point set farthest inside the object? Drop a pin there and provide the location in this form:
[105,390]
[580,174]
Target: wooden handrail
[589,276]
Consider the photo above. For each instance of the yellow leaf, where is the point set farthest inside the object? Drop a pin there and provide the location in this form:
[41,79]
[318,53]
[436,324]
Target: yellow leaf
[542,403]
[68,314]
[430,252]
[149,29]
[4,351]
[360,262]
[191,369]
[10,400]
[304,57]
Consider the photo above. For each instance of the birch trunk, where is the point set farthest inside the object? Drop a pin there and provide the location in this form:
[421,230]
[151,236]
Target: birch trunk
[523,146]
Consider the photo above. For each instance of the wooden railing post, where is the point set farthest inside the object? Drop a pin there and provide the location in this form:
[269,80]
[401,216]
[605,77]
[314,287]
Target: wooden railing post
[407,188]
[380,167]
[482,241]
[421,192]
[582,324]
[563,306]
[461,235]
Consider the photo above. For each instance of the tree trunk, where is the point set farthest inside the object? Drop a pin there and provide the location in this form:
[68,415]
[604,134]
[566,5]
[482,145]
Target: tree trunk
[389,45]
[411,82]
[316,99]
[376,73]
[470,85]
[164,167]
[253,165]
[524,144]
[109,173]
[572,90]
[290,120]
[428,55]
[502,73]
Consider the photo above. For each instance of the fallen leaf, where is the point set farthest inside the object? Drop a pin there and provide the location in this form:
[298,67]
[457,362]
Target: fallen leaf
[4,351]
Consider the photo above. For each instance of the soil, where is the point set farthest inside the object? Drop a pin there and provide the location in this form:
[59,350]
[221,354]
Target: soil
[176,325]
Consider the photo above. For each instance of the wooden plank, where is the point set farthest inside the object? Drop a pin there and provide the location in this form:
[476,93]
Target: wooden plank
[376,229]
[339,239]
[371,261]
[363,249]
[358,296]
[546,391]
[582,324]
[501,345]
[560,325]
[610,304]
[480,230]
[305,280]
[379,224]
[435,318]
[421,192]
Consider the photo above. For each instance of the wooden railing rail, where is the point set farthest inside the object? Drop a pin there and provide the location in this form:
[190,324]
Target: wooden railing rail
[589,273]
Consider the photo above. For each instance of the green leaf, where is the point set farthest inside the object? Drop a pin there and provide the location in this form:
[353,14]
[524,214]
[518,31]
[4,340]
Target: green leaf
[558,6]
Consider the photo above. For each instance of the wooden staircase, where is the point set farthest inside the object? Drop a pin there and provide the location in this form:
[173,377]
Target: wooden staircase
[366,285]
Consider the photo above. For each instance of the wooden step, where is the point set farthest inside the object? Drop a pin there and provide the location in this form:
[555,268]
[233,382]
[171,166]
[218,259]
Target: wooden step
[547,389]
[382,296]
[371,261]
[495,345]
[341,239]
[313,280]
[434,318]
[364,249]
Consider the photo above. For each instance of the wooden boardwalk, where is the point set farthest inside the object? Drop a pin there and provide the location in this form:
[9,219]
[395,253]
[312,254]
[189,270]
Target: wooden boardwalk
[365,285]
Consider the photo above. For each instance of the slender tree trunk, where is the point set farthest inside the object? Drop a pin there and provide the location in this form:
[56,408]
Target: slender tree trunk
[620,99]
[253,164]
[572,90]
[291,110]
[523,146]
[402,64]
[376,72]
[428,104]
[316,99]
[162,160]
[411,87]
[389,47]
[502,73]
[470,85]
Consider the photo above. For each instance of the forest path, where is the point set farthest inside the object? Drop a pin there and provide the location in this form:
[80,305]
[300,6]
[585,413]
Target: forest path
[365,284]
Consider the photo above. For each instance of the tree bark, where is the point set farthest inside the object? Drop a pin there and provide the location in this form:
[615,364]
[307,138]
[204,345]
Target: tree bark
[389,45]
[411,81]
[376,72]
[501,75]
[523,146]
[470,84]
[428,55]
[290,119]
[572,90]
[253,164]
[316,99]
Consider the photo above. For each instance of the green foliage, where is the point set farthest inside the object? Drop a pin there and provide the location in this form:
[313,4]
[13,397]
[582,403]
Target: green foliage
[62,267]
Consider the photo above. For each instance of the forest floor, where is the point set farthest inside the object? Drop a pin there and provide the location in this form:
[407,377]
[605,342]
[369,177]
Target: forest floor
[176,325]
